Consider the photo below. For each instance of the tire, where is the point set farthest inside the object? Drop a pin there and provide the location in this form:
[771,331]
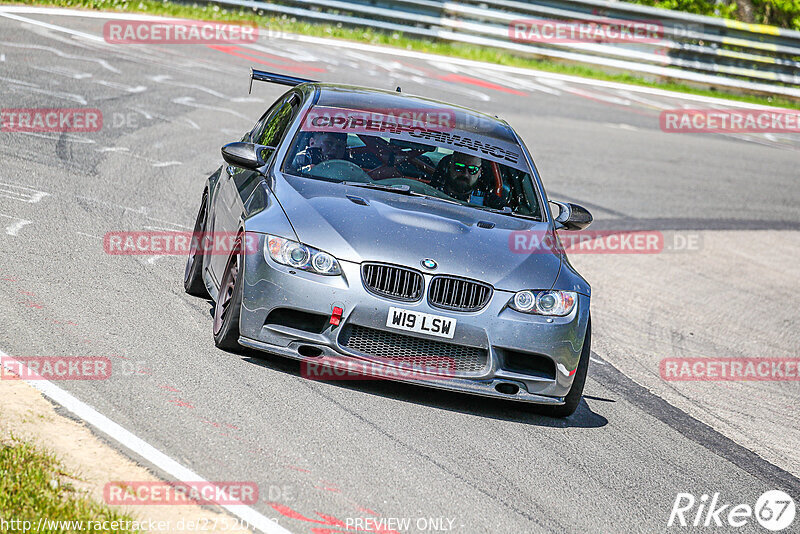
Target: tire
[573,398]
[229,301]
[193,274]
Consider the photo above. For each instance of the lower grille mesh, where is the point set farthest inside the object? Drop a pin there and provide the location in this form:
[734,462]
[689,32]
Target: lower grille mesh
[413,350]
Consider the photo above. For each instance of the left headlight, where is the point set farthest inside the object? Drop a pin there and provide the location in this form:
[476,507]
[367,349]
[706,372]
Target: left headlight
[300,256]
[553,303]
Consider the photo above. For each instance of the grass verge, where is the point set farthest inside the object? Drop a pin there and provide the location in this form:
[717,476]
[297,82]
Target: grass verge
[367,35]
[34,487]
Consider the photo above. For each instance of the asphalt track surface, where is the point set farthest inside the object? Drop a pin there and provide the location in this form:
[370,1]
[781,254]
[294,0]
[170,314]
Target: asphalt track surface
[326,453]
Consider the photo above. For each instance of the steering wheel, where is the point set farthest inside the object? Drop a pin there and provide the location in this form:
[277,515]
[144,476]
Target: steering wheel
[392,155]
[339,169]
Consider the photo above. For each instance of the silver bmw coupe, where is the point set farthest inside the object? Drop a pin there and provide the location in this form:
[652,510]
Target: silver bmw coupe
[383,235]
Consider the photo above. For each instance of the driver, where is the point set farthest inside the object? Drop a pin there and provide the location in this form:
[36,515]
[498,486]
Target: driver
[461,178]
[322,146]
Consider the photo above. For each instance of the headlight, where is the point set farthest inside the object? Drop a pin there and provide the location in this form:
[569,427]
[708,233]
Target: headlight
[558,303]
[300,256]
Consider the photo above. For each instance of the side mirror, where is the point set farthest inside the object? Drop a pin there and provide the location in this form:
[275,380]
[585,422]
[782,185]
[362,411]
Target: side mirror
[572,216]
[246,155]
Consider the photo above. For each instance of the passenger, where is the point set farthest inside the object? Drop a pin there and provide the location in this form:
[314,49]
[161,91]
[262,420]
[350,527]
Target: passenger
[322,146]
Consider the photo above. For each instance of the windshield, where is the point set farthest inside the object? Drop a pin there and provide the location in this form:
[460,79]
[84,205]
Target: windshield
[366,147]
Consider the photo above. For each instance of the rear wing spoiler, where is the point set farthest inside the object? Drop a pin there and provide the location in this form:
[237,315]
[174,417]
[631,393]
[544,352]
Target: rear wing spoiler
[272,77]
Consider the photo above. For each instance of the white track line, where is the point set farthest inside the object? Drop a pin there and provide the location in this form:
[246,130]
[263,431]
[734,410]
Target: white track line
[14,228]
[111,15]
[395,52]
[138,446]
[6,14]
[523,71]
[90,235]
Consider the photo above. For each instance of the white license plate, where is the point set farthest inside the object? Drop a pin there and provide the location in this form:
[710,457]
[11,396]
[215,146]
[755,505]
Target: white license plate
[424,323]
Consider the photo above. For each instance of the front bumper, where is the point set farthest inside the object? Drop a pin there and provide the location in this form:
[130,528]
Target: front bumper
[496,329]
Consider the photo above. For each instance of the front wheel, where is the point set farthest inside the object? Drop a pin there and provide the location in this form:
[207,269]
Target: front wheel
[229,301]
[573,398]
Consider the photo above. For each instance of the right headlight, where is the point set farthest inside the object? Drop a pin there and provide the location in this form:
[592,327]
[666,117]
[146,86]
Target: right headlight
[553,303]
[300,256]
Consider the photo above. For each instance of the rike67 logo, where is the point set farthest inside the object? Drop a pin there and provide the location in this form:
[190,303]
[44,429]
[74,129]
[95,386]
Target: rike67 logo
[774,510]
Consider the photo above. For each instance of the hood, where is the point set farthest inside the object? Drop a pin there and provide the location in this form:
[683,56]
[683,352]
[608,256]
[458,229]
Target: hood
[358,224]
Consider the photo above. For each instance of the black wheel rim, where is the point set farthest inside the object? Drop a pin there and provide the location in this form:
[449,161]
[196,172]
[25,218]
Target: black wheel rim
[225,298]
[197,239]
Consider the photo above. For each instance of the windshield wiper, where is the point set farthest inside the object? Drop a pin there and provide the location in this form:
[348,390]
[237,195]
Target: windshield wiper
[440,199]
[403,189]
[506,210]
[400,188]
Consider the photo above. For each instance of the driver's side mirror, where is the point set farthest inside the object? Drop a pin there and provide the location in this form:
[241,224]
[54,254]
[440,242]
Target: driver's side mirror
[571,216]
[246,155]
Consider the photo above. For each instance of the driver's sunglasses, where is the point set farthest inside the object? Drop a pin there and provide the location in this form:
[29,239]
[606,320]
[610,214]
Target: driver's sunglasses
[461,167]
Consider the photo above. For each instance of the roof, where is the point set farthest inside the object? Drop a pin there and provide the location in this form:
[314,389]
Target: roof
[392,102]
